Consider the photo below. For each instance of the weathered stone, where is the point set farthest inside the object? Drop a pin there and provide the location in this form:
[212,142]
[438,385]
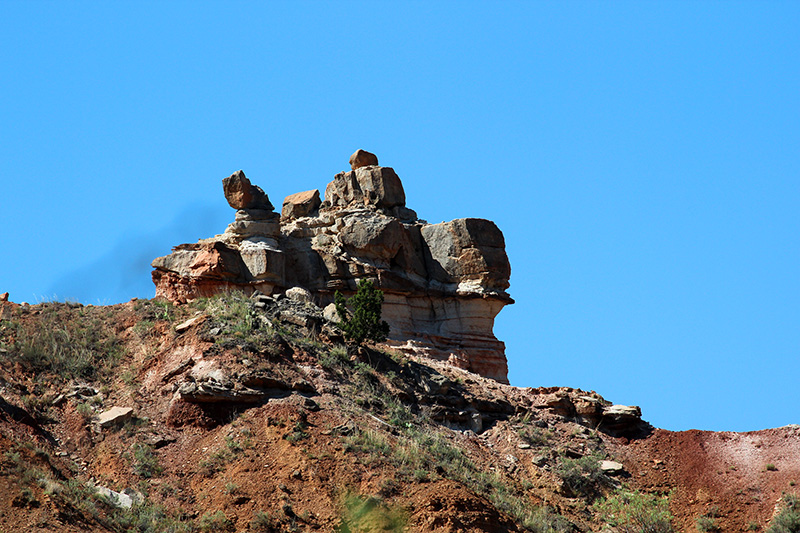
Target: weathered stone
[114,416]
[443,284]
[117,499]
[470,252]
[612,468]
[241,194]
[4,297]
[300,204]
[362,158]
[185,326]
[330,314]
[299,294]
[212,391]
[374,186]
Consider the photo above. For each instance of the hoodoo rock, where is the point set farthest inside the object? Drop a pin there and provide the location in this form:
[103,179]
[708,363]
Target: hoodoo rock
[241,194]
[443,284]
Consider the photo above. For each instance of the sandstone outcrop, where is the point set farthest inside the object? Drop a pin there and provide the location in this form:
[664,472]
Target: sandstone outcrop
[443,284]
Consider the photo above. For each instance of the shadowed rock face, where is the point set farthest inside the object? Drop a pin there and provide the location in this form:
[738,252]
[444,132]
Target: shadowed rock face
[443,283]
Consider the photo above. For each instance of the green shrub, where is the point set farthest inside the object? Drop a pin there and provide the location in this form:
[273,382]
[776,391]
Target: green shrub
[788,520]
[145,462]
[261,522]
[336,357]
[706,523]
[365,321]
[362,514]
[211,522]
[633,512]
[581,476]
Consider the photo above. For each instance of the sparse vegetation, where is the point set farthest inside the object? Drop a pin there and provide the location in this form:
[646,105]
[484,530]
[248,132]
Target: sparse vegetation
[217,521]
[633,512]
[145,462]
[365,514]
[61,346]
[262,522]
[788,519]
[583,475]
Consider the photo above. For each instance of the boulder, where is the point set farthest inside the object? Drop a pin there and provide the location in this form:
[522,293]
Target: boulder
[366,186]
[117,499]
[300,204]
[299,294]
[362,158]
[612,468]
[241,194]
[114,416]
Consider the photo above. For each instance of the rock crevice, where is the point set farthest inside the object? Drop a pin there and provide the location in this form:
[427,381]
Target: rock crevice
[444,284]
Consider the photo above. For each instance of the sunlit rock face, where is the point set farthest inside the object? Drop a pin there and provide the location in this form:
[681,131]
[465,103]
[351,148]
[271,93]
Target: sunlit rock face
[443,284]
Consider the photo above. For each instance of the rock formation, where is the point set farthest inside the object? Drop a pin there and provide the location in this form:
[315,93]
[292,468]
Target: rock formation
[443,283]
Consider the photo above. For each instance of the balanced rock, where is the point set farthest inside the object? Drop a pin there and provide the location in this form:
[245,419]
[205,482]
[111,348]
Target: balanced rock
[443,284]
[362,158]
[241,194]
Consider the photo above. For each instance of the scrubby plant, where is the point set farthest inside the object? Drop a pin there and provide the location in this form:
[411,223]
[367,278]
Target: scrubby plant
[364,323]
[706,523]
[145,462]
[581,476]
[362,514]
[212,522]
[336,357]
[64,348]
[261,522]
[788,519]
[633,512]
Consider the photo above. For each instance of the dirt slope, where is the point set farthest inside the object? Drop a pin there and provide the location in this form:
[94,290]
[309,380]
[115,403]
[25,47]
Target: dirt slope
[246,421]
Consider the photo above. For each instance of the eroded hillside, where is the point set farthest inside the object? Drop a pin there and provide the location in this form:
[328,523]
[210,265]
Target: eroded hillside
[252,414]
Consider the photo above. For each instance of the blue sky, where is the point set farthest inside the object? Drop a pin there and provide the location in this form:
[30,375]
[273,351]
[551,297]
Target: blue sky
[641,159]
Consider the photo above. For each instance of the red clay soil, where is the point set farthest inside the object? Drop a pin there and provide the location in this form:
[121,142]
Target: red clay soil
[738,476]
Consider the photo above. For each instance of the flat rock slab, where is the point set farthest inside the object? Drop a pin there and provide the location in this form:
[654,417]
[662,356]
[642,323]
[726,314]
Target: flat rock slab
[180,328]
[611,467]
[114,416]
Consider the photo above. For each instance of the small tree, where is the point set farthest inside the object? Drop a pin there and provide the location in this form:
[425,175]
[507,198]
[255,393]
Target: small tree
[365,321]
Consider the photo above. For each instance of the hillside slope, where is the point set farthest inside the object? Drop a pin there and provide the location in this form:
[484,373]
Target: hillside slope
[241,414]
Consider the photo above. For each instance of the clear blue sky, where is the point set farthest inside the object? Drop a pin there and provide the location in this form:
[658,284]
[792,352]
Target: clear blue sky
[642,159]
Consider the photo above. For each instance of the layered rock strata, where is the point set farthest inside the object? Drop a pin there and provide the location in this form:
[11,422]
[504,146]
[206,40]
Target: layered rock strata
[443,284]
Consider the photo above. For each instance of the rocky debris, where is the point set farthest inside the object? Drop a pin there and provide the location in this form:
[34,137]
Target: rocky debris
[114,417]
[362,158]
[241,194]
[300,204]
[443,284]
[4,297]
[213,391]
